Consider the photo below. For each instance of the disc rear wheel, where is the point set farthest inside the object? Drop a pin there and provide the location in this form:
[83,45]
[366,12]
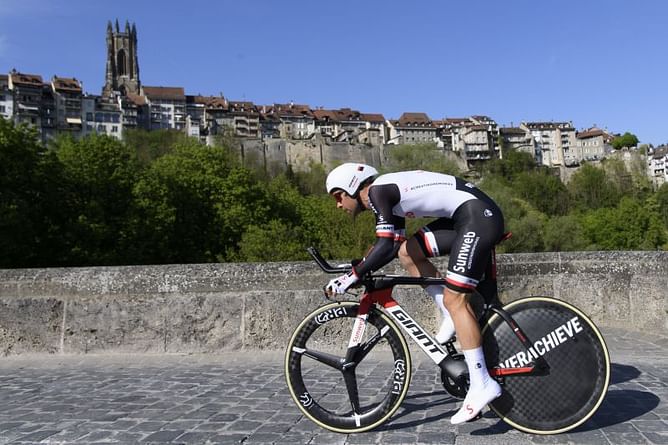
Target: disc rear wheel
[575,383]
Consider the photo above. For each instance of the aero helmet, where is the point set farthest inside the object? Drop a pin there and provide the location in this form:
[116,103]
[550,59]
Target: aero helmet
[348,177]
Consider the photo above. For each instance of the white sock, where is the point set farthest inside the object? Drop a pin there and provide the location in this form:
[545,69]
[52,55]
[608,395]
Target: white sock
[447,328]
[475,361]
[482,389]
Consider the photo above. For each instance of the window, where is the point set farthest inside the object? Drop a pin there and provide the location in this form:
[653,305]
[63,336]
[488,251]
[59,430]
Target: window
[114,129]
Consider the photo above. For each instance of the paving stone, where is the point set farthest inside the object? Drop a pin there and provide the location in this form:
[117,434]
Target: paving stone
[38,436]
[163,436]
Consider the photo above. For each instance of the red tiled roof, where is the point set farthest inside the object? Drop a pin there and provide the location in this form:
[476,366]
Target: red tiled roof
[66,84]
[511,130]
[136,99]
[456,120]
[292,110]
[165,93]
[217,102]
[329,115]
[414,119]
[593,132]
[33,80]
[372,117]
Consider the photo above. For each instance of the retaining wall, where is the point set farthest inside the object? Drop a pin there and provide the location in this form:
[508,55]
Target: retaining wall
[218,307]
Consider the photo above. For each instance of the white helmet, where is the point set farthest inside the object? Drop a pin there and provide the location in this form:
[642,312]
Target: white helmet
[348,177]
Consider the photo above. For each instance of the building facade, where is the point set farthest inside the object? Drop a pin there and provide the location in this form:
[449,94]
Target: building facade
[411,128]
[6,98]
[554,142]
[593,144]
[657,165]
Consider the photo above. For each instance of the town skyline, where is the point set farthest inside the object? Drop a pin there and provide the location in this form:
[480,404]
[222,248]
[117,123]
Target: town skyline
[336,85]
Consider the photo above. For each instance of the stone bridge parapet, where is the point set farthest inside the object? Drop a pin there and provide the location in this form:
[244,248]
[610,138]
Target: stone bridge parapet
[199,308]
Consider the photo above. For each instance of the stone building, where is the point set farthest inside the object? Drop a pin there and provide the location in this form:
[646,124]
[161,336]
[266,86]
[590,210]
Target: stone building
[411,128]
[68,94]
[593,144]
[473,138]
[516,139]
[27,90]
[657,165]
[6,98]
[554,142]
[165,108]
[122,70]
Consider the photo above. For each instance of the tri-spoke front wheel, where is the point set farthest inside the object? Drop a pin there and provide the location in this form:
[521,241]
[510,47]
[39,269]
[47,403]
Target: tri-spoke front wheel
[347,395]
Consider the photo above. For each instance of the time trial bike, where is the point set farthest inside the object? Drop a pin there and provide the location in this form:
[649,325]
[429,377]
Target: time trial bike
[348,366]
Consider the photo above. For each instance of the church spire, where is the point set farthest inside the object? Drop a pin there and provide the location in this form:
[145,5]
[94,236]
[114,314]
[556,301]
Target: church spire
[122,73]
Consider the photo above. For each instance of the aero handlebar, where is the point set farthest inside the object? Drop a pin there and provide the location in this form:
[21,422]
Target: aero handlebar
[324,265]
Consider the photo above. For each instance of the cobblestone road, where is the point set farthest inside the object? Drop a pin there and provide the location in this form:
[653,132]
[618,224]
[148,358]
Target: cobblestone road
[241,398]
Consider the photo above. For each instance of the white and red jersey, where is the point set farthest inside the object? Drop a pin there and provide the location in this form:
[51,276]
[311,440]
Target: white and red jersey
[393,197]
[428,194]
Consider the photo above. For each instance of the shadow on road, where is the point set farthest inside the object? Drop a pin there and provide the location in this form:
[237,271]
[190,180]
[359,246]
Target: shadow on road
[619,406]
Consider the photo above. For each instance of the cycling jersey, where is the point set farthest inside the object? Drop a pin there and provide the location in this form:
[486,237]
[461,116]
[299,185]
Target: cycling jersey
[469,223]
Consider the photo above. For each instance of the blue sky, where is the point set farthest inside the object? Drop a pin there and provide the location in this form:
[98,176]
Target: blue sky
[598,62]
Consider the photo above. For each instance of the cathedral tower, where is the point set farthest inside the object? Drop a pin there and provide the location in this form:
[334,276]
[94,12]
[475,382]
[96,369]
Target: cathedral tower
[122,72]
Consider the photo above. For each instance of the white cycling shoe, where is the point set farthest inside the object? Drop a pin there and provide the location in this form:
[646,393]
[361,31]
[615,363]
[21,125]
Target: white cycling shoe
[446,331]
[475,401]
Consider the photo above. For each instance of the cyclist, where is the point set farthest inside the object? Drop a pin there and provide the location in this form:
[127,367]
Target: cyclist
[469,225]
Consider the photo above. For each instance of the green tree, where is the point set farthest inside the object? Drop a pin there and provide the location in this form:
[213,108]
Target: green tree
[194,204]
[151,145]
[528,233]
[333,231]
[420,157]
[514,162]
[563,234]
[662,203]
[543,190]
[626,140]
[275,241]
[590,188]
[629,226]
[31,215]
[100,173]
[311,181]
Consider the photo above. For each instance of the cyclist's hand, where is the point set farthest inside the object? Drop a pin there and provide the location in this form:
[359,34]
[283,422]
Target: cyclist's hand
[341,284]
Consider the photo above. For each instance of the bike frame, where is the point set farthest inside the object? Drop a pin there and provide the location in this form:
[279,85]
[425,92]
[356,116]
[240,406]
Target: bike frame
[378,291]
[437,353]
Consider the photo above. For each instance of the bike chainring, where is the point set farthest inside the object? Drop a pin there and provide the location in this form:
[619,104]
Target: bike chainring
[458,385]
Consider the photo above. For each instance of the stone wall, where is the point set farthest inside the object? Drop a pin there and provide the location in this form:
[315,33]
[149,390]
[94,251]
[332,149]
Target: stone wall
[276,154]
[218,307]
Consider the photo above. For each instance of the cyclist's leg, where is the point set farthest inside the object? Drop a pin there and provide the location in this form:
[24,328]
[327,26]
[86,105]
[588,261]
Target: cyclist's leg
[478,228]
[431,240]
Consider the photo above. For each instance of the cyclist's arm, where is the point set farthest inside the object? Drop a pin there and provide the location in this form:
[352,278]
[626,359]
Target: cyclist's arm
[390,229]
